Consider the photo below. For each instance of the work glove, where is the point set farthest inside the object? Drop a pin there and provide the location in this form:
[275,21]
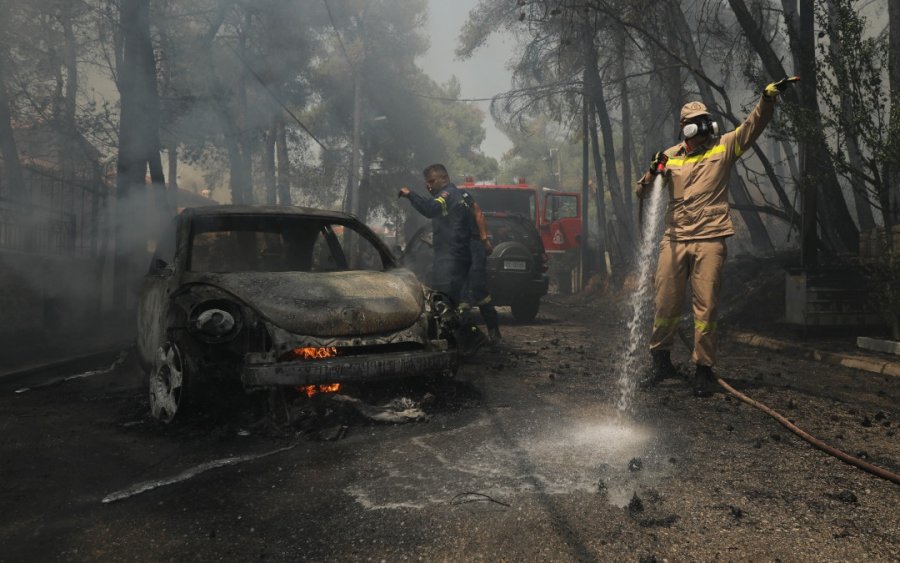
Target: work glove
[772,90]
[659,162]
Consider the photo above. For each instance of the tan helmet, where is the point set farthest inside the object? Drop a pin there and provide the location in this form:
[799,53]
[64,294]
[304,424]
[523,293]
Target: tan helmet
[693,109]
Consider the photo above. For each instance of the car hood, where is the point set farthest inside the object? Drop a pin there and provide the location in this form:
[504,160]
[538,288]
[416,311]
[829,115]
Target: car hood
[327,303]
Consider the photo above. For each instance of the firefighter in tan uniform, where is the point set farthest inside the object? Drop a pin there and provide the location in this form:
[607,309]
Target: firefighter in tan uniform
[697,224]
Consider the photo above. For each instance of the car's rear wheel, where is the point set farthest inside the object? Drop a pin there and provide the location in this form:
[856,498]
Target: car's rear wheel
[169,378]
[526,310]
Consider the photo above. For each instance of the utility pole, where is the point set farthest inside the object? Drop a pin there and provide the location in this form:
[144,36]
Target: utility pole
[353,204]
[585,173]
[809,170]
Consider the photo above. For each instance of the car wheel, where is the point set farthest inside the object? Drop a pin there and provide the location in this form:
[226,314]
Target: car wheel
[526,310]
[168,383]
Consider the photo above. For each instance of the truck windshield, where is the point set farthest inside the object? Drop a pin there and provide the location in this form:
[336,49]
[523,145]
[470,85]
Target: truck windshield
[505,200]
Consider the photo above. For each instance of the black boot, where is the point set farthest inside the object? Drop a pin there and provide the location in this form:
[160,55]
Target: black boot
[494,336]
[469,340]
[662,369]
[704,382]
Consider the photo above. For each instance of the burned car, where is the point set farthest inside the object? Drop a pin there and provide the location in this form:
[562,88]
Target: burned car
[516,268]
[266,297]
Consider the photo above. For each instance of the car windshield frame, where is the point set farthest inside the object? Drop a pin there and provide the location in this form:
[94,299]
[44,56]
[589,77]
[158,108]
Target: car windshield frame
[303,230]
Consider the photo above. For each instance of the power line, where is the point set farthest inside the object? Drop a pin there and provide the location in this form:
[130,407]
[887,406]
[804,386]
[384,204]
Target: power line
[277,99]
[519,91]
[338,35]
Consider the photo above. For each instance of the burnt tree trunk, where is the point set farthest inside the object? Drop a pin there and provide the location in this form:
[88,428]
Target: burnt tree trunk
[818,175]
[268,164]
[623,216]
[172,155]
[12,167]
[69,132]
[284,164]
[593,85]
[864,216]
[138,147]
[240,164]
[586,40]
[891,176]
[627,141]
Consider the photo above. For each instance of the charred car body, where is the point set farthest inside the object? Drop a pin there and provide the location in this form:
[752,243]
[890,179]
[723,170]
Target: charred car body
[280,296]
[516,268]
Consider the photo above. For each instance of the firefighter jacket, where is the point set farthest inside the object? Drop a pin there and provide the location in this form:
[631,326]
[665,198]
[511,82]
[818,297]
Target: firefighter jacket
[698,181]
[451,222]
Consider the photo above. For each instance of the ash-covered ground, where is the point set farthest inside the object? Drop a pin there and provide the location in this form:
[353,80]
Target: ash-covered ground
[524,457]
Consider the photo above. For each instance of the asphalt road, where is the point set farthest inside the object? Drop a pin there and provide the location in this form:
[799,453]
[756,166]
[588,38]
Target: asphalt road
[523,458]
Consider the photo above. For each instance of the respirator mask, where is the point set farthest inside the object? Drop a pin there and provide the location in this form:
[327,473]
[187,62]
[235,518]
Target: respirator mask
[700,127]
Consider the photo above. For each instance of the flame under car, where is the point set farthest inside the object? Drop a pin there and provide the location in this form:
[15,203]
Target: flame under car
[278,297]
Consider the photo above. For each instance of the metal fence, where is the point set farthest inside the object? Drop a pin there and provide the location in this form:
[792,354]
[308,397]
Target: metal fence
[61,217]
[28,228]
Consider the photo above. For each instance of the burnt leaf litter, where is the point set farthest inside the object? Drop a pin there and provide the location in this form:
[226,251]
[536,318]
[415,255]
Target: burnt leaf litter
[681,502]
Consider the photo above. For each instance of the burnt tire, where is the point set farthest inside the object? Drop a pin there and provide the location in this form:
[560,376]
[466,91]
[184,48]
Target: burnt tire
[170,383]
[526,310]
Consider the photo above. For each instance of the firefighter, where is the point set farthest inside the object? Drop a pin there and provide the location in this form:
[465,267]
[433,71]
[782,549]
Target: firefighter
[451,223]
[697,224]
[476,292]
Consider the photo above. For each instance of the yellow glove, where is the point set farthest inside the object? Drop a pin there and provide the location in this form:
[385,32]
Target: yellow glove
[772,90]
[658,163]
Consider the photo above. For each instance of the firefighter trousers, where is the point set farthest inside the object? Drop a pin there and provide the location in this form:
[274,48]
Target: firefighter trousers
[701,263]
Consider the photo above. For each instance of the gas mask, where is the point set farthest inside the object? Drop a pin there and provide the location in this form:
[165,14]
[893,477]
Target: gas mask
[700,127]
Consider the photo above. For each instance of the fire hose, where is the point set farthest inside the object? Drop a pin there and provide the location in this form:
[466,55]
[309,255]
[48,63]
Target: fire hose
[841,455]
[809,438]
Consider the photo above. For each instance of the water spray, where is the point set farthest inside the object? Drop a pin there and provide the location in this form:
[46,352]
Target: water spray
[640,299]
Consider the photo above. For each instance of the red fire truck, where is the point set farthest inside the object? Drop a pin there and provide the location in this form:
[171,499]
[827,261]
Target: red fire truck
[557,215]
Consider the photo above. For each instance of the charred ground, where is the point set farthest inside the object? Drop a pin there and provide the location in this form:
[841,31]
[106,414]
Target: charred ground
[521,458]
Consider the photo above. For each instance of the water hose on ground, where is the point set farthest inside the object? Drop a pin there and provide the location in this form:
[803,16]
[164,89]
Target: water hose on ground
[809,438]
[843,456]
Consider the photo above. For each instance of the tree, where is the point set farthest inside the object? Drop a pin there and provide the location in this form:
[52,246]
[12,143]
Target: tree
[139,148]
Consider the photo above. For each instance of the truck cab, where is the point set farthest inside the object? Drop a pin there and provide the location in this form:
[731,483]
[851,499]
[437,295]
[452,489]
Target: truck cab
[556,215]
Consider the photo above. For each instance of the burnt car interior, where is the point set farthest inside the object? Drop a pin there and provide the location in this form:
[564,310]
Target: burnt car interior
[284,244]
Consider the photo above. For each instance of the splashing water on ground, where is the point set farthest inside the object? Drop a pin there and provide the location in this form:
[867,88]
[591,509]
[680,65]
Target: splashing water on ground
[640,303]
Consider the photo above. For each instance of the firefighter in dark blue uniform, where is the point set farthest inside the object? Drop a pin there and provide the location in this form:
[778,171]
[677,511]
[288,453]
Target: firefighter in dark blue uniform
[451,223]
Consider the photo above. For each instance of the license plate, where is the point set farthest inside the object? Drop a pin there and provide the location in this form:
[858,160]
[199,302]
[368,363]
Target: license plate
[514,264]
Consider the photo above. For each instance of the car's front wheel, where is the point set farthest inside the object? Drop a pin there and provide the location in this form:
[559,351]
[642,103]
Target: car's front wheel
[525,310]
[169,378]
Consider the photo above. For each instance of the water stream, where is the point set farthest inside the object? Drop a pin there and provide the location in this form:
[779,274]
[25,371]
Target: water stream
[641,302]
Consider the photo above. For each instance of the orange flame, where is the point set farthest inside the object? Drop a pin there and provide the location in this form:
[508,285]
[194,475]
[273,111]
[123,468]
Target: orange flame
[311,390]
[312,353]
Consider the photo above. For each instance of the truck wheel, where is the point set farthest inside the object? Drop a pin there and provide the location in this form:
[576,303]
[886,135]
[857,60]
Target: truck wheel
[526,310]
[169,383]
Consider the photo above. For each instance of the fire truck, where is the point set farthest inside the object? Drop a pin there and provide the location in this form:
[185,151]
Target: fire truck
[557,215]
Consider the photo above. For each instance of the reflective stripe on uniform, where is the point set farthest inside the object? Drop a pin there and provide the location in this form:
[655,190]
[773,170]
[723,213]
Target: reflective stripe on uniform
[485,301]
[443,203]
[703,326]
[662,322]
[738,151]
[696,158]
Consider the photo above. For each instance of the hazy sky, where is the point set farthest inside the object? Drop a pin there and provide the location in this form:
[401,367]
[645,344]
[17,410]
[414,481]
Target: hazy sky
[482,76]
